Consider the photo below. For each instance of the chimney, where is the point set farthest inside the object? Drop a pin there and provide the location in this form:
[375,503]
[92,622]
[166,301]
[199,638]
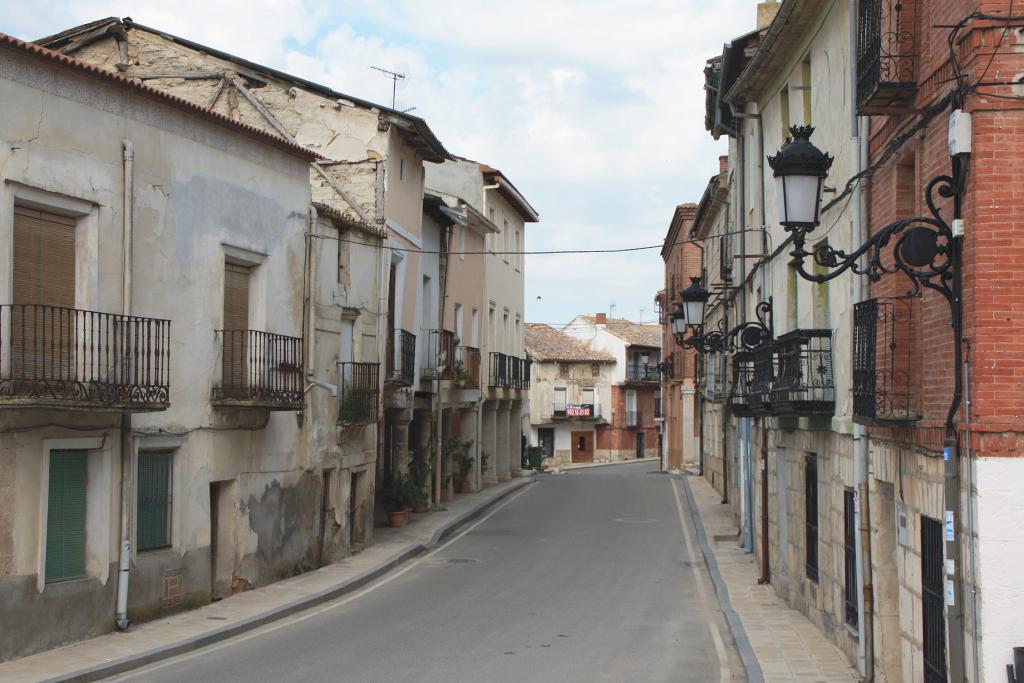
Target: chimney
[601,318]
[723,164]
[766,11]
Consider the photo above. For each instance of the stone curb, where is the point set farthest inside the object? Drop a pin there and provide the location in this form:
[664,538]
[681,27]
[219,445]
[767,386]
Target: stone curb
[136,661]
[739,634]
[588,466]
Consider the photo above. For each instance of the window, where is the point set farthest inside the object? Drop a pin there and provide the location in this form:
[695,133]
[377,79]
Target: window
[474,332]
[458,324]
[65,516]
[595,369]
[811,516]
[587,397]
[850,559]
[784,111]
[561,398]
[805,87]
[518,256]
[401,168]
[932,601]
[564,370]
[505,239]
[153,528]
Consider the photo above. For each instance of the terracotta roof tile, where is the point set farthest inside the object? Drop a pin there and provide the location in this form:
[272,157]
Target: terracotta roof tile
[545,343]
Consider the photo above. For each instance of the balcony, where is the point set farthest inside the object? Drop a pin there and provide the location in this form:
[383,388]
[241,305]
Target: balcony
[401,367]
[804,383]
[509,372]
[715,390]
[634,418]
[467,368]
[882,345]
[440,360]
[53,357]
[742,381]
[643,372]
[259,370]
[358,393]
[886,56]
[762,376]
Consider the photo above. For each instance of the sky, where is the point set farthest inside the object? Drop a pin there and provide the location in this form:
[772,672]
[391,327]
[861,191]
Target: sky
[593,109]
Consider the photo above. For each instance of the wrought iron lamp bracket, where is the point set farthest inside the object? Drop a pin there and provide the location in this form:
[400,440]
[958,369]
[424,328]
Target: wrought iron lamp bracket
[921,247]
[746,336]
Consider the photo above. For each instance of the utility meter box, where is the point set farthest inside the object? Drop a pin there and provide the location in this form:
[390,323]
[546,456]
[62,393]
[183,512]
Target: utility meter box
[959,133]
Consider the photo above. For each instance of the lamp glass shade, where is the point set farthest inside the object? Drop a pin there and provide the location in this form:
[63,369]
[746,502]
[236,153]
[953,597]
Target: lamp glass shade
[694,297]
[679,321]
[798,198]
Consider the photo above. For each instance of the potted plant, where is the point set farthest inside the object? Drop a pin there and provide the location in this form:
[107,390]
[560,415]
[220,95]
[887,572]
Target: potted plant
[393,498]
[464,465]
[461,376]
[419,475]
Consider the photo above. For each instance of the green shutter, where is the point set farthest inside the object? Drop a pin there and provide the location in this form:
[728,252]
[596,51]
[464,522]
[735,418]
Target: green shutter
[153,529]
[65,517]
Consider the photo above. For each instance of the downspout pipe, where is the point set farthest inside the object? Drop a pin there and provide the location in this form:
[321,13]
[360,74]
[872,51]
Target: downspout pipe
[121,621]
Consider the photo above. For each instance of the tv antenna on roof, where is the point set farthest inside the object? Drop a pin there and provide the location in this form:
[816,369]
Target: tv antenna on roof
[395,76]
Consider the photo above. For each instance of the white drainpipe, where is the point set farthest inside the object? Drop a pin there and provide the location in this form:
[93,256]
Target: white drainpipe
[124,562]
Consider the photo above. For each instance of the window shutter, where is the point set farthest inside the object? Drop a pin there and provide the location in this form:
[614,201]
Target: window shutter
[65,517]
[154,500]
[44,275]
[236,322]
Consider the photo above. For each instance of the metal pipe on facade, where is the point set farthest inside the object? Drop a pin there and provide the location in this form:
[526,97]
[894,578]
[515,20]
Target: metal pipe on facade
[970,520]
[121,620]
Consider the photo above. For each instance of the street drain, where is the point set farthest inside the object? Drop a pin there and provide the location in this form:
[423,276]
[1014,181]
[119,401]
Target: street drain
[455,560]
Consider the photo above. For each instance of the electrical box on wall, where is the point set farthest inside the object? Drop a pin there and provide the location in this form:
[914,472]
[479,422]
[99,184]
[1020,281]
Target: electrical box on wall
[959,133]
[902,532]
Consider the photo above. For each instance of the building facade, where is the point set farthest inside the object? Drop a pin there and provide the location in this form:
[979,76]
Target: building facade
[882,412]
[151,363]
[569,388]
[632,431]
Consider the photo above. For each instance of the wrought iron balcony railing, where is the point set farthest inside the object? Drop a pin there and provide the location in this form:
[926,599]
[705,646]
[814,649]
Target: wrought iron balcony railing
[68,358]
[358,393]
[742,383]
[440,350]
[509,372]
[763,374]
[643,372]
[882,345]
[259,370]
[634,418]
[467,367]
[804,383]
[886,56]
[401,360]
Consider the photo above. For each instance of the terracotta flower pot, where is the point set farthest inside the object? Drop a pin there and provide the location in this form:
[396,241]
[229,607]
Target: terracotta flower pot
[420,509]
[465,487]
[396,520]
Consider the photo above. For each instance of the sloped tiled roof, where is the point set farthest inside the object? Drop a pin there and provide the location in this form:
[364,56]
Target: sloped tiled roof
[545,343]
[630,332]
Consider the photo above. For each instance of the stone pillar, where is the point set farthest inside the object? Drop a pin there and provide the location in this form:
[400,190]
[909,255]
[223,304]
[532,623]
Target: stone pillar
[402,428]
[488,442]
[502,435]
[467,432]
[515,438]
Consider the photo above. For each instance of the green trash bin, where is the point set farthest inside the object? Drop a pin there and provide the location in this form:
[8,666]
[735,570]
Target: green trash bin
[534,456]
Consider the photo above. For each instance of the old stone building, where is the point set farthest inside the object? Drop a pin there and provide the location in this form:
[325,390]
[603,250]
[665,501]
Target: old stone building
[570,394]
[151,355]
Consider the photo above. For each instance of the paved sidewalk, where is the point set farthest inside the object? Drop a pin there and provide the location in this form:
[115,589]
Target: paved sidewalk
[787,645]
[146,643]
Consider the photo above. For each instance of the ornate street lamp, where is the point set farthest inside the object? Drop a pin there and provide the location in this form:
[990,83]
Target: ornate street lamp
[689,316]
[800,170]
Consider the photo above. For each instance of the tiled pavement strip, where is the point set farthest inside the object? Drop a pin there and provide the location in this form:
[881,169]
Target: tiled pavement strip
[114,653]
[787,645]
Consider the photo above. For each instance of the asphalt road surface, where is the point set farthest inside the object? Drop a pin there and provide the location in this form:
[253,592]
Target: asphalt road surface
[587,576]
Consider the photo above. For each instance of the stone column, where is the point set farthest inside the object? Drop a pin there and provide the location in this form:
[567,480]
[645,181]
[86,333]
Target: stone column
[502,435]
[488,442]
[402,428]
[515,438]
[467,432]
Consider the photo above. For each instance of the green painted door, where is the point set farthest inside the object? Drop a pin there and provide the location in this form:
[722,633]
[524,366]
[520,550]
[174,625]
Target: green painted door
[65,517]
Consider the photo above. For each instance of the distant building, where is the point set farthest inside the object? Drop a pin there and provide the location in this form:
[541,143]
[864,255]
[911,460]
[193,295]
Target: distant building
[570,392]
[636,384]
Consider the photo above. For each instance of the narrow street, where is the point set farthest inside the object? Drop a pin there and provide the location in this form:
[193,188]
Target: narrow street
[584,576]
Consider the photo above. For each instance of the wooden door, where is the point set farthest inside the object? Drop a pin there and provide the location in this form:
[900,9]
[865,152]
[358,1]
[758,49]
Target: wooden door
[236,328]
[583,446]
[42,319]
